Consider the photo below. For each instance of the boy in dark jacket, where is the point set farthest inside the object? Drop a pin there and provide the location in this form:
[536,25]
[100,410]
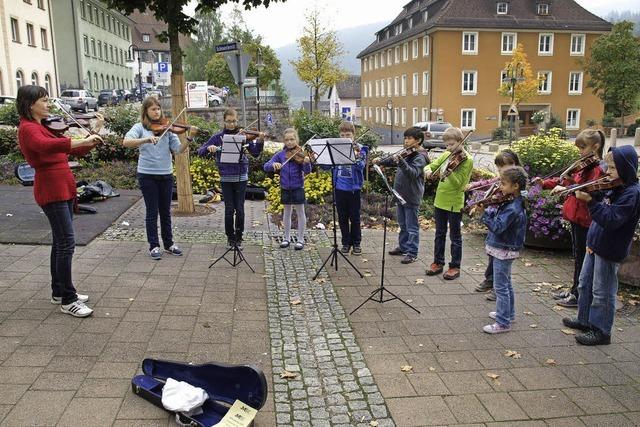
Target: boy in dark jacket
[614,219]
[233,176]
[409,182]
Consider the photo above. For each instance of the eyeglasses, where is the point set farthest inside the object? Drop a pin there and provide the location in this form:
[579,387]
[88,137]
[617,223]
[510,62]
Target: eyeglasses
[231,121]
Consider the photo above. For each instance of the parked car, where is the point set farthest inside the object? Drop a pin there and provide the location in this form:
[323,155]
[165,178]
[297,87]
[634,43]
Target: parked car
[214,100]
[109,97]
[57,101]
[4,99]
[80,99]
[433,133]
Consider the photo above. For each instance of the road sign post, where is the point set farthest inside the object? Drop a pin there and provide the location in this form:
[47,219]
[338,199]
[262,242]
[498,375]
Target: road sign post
[238,65]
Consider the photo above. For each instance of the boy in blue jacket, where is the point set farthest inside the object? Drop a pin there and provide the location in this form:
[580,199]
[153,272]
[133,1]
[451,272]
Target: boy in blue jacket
[614,219]
[348,180]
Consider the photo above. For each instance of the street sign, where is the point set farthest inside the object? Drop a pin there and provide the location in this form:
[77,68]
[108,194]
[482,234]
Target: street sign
[163,67]
[513,110]
[227,47]
[268,119]
[238,65]
[250,81]
[197,95]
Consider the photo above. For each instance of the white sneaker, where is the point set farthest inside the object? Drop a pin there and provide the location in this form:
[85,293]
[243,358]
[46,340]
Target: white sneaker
[76,309]
[156,253]
[81,298]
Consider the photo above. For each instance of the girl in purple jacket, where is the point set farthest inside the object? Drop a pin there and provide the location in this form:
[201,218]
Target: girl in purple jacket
[291,185]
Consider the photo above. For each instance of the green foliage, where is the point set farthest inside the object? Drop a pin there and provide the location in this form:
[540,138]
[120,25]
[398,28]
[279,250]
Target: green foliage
[591,122]
[9,115]
[631,130]
[9,141]
[555,122]
[317,185]
[207,128]
[121,118]
[120,174]
[209,33]
[111,150]
[608,120]
[501,133]
[367,136]
[7,167]
[545,152]
[538,117]
[613,68]
[309,124]
[204,174]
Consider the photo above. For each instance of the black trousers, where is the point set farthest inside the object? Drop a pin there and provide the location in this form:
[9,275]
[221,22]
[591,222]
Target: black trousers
[348,208]
[233,194]
[579,239]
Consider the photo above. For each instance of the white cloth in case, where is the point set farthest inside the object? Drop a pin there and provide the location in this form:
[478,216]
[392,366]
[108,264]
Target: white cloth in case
[179,396]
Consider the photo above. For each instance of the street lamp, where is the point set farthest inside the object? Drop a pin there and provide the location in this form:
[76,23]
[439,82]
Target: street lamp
[310,99]
[259,67]
[514,75]
[131,49]
[390,108]
[153,63]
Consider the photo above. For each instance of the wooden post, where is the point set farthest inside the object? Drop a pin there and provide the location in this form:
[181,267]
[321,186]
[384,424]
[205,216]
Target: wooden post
[614,137]
[636,139]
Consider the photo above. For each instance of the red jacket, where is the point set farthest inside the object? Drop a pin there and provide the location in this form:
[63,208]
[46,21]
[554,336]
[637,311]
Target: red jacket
[575,210]
[49,156]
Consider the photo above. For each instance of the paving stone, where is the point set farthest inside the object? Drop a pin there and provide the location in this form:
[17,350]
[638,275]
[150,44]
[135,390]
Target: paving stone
[545,403]
[593,400]
[420,411]
[95,411]
[501,406]
[39,408]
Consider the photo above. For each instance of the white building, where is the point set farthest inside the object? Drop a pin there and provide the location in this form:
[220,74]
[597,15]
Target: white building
[26,47]
[344,99]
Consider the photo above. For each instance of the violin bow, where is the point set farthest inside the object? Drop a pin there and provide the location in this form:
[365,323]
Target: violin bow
[172,123]
[55,101]
[299,149]
[439,171]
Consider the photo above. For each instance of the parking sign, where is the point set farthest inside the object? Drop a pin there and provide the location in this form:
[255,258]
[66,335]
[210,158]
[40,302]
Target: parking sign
[163,67]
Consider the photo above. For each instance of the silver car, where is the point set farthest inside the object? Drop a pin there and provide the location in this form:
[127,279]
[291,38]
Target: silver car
[433,132]
[80,99]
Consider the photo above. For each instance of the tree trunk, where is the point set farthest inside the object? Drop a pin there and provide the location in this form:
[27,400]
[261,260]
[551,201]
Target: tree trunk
[316,99]
[185,192]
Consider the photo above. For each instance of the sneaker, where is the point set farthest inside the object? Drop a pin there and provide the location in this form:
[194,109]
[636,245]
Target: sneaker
[491,296]
[408,259]
[284,244]
[230,243]
[561,294]
[298,246]
[573,323]
[452,273]
[484,286]
[571,301]
[496,329]
[239,242]
[492,314]
[81,298]
[345,249]
[357,250]
[76,309]
[174,250]
[396,251]
[593,337]
[434,269]
[156,253]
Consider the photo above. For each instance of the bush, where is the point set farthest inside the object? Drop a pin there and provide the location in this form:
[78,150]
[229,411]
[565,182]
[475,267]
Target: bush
[121,118]
[120,174]
[7,167]
[545,152]
[591,122]
[631,130]
[206,130]
[545,214]
[112,149]
[608,120]
[9,115]
[9,142]
[317,185]
[204,174]
[309,124]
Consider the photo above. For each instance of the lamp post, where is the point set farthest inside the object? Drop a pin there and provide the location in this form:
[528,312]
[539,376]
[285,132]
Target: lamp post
[390,108]
[514,75]
[310,99]
[131,49]
[259,66]
[153,63]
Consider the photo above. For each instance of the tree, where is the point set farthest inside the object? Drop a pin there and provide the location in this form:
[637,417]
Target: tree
[320,51]
[613,69]
[210,32]
[170,12]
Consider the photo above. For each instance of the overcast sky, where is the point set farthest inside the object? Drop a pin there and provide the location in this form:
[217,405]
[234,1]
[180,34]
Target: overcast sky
[282,23]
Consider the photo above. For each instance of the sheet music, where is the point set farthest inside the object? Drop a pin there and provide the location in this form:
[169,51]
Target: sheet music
[333,151]
[397,195]
[232,148]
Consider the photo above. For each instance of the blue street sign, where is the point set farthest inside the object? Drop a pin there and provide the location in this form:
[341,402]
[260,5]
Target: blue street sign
[163,67]
[269,119]
[227,47]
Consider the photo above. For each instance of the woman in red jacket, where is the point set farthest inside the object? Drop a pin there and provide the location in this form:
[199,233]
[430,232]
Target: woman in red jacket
[54,190]
[590,142]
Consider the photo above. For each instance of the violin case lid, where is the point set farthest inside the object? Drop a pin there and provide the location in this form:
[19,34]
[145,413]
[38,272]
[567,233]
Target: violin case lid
[223,383]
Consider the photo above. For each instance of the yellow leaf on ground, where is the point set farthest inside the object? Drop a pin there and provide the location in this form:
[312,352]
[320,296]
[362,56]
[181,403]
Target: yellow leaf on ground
[558,308]
[493,376]
[533,325]
[528,264]
[536,289]
[406,368]
[419,281]
[296,301]
[321,280]
[431,368]
[373,424]
[568,331]
[512,354]
[550,362]
[528,313]
[288,375]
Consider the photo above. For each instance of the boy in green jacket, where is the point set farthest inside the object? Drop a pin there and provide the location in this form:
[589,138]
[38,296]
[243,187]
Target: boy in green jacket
[449,202]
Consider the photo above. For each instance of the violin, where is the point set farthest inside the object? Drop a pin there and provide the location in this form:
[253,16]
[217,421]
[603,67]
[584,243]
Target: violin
[600,184]
[495,199]
[455,160]
[404,153]
[296,154]
[581,164]
[160,127]
[58,125]
[251,134]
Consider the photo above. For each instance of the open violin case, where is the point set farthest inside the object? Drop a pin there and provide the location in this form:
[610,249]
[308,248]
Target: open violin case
[223,383]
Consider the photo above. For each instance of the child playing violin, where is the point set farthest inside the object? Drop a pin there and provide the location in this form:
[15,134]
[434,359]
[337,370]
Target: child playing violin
[233,176]
[614,219]
[449,201]
[155,175]
[409,183]
[292,172]
[503,159]
[507,226]
[590,142]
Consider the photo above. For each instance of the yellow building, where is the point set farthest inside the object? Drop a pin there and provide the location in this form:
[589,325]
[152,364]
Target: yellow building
[444,60]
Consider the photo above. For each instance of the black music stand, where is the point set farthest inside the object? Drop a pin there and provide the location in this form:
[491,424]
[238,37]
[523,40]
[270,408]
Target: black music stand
[334,152]
[232,151]
[378,294]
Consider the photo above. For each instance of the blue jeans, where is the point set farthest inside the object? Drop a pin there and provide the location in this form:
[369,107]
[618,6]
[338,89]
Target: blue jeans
[453,220]
[60,216]
[597,292]
[348,207]
[488,273]
[157,191]
[409,238]
[505,298]
[233,194]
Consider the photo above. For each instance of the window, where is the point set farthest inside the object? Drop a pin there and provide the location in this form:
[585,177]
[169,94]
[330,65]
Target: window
[146,38]
[47,83]
[573,118]
[425,46]
[425,82]
[405,52]
[15,30]
[577,44]
[396,86]
[90,12]
[382,88]
[502,8]
[469,84]
[30,37]
[403,88]
[382,60]
[388,121]
[425,16]
[425,114]
[377,89]
[396,54]
[389,57]
[468,118]
[121,57]
[416,85]
[395,116]
[109,19]
[93,48]
[509,41]
[41,4]
[83,12]
[34,79]
[365,66]
[543,9]
[364,93]
[85,42]
[111,52]
[414,115]
[415,49]
[544,82]
[504,79]
[469,43]
[403,120]
[382,113]
[370,90]
[377,114]
[19,79]
[366,113]
[44,40]
[100,49]
[545,44]
[398,29]
[104,24]
[375,62]
[389,87]
[410,23]
[575,83]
